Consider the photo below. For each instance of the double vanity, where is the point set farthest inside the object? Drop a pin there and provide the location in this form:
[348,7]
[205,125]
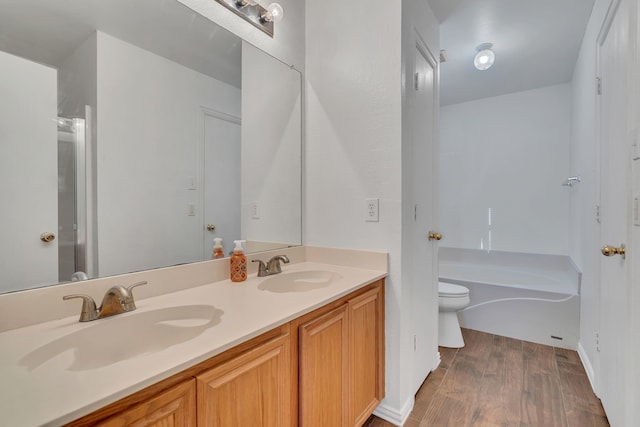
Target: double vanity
[305,346]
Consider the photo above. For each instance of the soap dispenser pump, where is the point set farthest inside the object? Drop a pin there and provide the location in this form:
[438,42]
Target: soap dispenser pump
[217,248]
[238,271]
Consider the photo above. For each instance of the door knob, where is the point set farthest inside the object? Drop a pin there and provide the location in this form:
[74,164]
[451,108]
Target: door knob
[211,227]
[434,235]
[47,237]
[612,250]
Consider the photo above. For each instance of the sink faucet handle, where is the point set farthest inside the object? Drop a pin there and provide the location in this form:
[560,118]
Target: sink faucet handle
[262,268]
[144,282]
[89,311]
[128,302]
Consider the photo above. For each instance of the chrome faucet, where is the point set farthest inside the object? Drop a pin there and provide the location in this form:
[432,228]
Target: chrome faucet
[118,299]
[272,266]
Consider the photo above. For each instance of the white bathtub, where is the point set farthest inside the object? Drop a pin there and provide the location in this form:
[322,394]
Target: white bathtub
[526,296]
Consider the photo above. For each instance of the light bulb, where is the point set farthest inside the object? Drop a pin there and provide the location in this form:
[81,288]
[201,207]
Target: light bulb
[485,57]
[274,13]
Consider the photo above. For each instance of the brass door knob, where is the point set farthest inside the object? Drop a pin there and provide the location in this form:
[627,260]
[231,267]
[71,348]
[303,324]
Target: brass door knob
[47,237]
[211,227]
[434,235]
[612,250]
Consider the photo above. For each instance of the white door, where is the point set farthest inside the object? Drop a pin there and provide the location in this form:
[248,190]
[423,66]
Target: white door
[424,110]
[615,143]
[221,179]
[29,161]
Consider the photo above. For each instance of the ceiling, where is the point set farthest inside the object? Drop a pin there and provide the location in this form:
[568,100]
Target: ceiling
[49,31]
[536,43]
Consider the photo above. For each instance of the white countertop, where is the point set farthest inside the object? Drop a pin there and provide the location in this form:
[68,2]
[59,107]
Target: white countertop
[53,393]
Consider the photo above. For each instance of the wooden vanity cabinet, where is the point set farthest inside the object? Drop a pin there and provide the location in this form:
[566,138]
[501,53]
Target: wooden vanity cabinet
[366,354]
[325,368]
[253,389]
[341,361]
[175,407]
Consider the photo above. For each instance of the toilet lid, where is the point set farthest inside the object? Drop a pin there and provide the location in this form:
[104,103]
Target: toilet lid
[451,290]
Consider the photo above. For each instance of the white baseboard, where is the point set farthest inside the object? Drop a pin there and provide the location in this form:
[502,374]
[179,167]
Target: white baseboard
[393,415]
[399,417]
[586,363]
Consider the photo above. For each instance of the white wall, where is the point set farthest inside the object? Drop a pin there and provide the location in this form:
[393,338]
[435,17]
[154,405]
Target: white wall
[287,43]
[271,150]
[354,151]
[147,137]
[353,143]
[511,154]
[77,80]
[583,228]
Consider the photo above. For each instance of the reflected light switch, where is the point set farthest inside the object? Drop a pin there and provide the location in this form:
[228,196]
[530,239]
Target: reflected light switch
[191,183]
[254,209]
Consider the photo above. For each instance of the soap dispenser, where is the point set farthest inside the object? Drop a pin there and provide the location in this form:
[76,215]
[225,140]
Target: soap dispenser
[238,271]
[217,249]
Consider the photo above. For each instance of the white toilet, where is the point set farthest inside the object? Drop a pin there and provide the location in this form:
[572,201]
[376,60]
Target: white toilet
[451,299]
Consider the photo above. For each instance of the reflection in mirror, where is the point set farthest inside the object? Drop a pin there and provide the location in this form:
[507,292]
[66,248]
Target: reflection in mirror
[127,128]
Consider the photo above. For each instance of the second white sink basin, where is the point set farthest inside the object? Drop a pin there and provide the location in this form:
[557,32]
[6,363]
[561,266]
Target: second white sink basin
[299,281]
[110,340]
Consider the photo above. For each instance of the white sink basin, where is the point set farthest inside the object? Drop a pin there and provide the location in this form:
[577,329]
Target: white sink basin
[106,341]
[299,281]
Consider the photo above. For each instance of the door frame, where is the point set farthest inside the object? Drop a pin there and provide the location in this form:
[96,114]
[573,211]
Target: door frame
[420,47]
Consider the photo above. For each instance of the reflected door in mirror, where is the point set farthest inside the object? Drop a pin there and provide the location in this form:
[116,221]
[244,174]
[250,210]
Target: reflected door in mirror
[221,138]
[28,159]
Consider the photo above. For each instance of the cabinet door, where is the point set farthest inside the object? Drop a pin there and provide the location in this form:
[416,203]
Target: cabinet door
[252,389]
[366,354]
[323,355]
[175,407]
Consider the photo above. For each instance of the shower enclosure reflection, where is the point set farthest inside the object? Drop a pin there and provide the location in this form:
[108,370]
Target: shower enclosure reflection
[72,203]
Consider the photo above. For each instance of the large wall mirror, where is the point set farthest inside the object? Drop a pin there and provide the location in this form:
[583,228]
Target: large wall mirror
[133,133]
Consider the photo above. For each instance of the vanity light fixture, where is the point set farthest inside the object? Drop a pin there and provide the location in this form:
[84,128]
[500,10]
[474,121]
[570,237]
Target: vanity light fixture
[274,13]
[485,57]
[257,15]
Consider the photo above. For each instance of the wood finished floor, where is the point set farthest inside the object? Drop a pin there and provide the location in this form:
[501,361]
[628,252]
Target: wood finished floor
[498,381]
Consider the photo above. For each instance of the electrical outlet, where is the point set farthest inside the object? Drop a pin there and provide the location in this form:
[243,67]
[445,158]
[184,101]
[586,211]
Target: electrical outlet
[371,213]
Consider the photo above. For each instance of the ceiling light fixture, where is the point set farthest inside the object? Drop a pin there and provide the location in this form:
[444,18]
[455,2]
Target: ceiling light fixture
[485,57]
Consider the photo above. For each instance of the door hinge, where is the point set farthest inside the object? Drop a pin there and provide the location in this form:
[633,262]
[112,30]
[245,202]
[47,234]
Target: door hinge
[416,80]
[598,85]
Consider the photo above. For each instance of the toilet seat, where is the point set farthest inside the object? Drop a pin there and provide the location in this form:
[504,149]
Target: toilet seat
[449,290]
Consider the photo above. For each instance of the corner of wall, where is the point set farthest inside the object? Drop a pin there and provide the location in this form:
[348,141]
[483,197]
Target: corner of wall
[394,415]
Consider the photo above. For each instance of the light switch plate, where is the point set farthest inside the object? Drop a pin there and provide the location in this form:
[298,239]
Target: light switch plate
[254,209]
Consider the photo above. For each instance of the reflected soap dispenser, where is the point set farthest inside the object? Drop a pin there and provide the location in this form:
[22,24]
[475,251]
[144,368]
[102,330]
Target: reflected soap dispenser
[217,249]
[238,271]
